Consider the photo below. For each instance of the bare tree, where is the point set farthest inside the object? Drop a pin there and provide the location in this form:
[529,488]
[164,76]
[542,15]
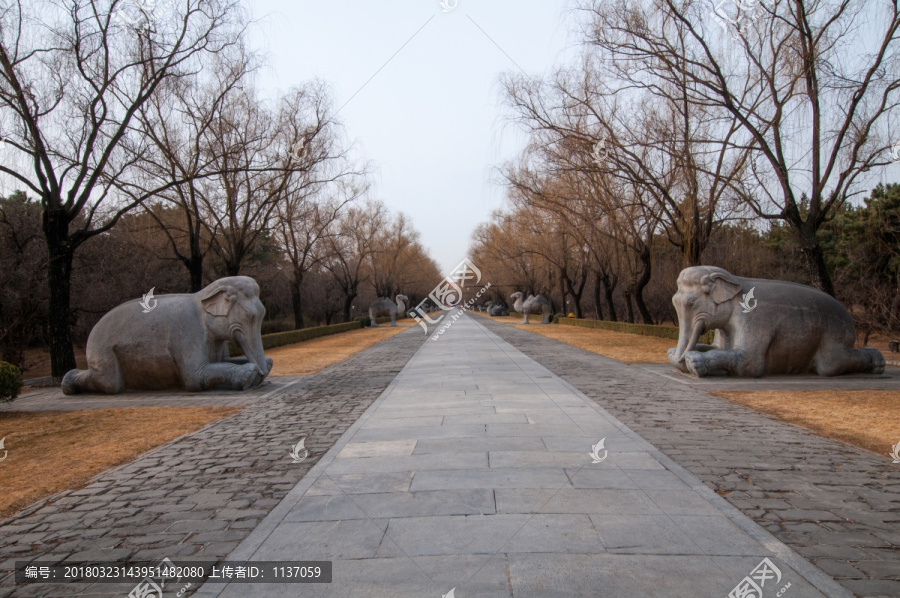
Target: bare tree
[815,114]
[324,181]
[178,123]
[72,79]
[350,249]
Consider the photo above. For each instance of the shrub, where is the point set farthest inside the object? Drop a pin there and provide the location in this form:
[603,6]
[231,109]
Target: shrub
[10,381]
[364,321]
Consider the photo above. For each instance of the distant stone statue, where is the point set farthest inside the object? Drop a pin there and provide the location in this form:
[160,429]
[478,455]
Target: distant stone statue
[533,304]
[496,309]
[385,307]
[177,341]
[763,327]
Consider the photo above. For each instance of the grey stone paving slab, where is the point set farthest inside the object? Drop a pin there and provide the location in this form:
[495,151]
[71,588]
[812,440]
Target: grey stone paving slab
[831,502]
[201,494]
[487,493]
[394,504]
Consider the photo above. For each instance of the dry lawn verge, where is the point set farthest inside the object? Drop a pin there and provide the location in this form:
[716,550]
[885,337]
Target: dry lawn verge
[869,419]
[309,357]
[621,346]
[52,451]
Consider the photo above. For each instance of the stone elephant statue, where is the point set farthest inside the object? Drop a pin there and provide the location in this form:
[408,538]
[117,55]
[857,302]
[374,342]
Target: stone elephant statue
[180,341]
[763,327]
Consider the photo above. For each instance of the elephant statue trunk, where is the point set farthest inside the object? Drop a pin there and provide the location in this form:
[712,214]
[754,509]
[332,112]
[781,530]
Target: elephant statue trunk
[688,337]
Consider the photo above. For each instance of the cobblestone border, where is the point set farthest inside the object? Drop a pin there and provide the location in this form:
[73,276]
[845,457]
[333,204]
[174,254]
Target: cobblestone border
[200,495]
[836,505]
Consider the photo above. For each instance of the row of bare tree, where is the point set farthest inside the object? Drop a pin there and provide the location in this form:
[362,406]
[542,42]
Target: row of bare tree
[682,128]
[116,110]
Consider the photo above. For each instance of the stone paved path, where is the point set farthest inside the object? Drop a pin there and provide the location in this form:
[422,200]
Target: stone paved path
[472,471]
[837,505]
[200,495]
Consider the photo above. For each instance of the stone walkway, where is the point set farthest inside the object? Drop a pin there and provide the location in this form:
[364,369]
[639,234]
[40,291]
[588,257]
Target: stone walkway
[472,472]
[837,505]
[198,496]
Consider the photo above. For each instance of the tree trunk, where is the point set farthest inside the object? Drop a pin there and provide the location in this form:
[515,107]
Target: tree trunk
[637,289]
[598,288]
[629,309]
[609,287]
[195,267]
[59,278]
[296,300]
[815,258]
[348,304]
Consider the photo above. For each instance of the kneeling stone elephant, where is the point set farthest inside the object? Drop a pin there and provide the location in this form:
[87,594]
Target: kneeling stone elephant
[181,342]
[763,327]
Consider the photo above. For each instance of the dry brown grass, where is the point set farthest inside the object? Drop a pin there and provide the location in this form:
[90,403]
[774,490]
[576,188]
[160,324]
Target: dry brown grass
[869,419]
[621,346]
[52,451]
[309,357]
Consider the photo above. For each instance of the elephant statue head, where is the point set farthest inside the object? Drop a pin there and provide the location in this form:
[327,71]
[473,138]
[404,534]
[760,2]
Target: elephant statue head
[233,311]
[703,302]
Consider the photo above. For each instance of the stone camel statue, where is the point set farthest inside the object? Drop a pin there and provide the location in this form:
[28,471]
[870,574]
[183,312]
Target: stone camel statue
[531,305]
[763,327]
[383,306]
[496,309]
[180,341]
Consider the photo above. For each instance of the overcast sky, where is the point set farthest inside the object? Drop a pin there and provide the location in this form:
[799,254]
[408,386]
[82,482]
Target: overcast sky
[430,118]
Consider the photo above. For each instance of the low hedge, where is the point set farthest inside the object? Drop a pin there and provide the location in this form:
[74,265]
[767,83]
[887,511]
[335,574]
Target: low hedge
[279,339]
[642,329]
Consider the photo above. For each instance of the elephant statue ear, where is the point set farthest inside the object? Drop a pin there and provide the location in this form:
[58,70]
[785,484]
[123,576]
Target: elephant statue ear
[218,302]
[721,287]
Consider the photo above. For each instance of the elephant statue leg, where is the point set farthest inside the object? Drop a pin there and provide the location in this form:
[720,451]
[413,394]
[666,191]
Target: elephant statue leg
[837,360]
[243,360]
[733,362]
[104,376]
[235,376]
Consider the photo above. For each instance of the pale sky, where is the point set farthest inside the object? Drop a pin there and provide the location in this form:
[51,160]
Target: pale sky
[431,120]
